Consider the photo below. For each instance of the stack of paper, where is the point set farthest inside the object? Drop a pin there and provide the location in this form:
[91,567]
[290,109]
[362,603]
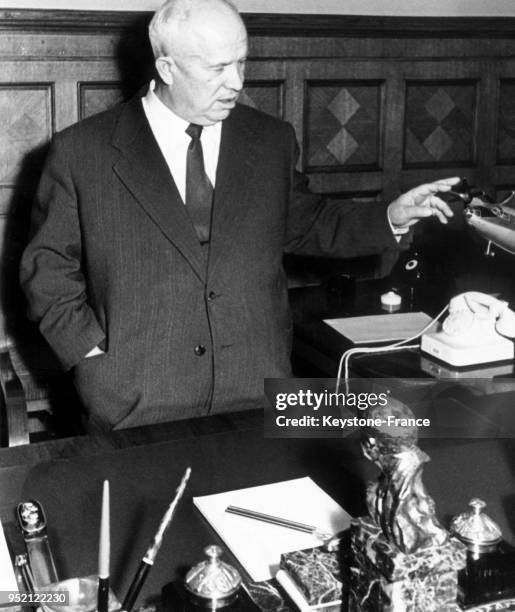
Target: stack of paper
[380,328]
[258,545]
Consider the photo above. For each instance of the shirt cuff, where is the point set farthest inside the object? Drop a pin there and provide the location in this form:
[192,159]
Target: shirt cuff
[398,232]
[94,351]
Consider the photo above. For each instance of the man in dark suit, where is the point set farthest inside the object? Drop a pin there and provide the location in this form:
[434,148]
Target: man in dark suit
[170,300]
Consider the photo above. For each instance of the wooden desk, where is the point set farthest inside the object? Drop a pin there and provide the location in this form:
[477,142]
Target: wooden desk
[228,452]
[317,348]
[144,467]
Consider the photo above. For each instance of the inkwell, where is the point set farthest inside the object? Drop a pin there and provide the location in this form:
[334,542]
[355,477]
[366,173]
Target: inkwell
[490,572]
[213,584]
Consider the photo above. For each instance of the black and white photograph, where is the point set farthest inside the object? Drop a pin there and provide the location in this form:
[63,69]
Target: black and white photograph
[257,305]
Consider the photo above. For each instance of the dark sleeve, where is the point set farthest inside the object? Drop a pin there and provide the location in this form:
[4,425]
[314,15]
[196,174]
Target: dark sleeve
[319,226]
[51,274]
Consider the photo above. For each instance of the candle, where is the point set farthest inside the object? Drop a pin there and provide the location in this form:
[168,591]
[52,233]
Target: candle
[104,552]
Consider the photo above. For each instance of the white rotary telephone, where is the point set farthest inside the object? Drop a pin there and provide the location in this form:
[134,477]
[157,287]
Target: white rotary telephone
[476,331]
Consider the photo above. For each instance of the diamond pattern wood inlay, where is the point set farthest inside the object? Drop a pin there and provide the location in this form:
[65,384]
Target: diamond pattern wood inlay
[440,123]
[343,125]
[25,124]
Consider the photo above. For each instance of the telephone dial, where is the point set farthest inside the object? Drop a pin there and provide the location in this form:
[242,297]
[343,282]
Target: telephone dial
[467,338]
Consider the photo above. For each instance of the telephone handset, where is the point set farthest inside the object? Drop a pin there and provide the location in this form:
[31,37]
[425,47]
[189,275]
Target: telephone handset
[468,329]
[468,338]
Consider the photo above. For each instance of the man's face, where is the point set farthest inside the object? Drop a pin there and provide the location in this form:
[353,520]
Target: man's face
[207,70]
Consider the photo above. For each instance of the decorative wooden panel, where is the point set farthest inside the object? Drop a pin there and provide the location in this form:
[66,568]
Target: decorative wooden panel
[25,124]
[440,125]
[97,97]
[342,127]
[266,96]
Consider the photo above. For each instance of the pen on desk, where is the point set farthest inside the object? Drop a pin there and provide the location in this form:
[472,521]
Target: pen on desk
[149,557]
[104,553]
[281,522]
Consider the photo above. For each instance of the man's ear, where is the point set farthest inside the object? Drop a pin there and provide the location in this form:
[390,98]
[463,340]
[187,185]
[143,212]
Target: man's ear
[164,67]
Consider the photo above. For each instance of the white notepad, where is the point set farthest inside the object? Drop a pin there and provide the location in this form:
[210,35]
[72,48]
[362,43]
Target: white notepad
[257,545]
[380,328]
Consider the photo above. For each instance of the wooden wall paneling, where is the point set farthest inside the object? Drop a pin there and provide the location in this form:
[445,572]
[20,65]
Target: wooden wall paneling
[488,103]
[393,130]
[31,45]
[78,83]
[343,126]
[505,141]
[265,87]
[503,168]
[26,122]
[65,102]
[294,102]
[58,75]
[266,96]
[65,77]
[367,45]
[442,121]
[95,97]
[273,24]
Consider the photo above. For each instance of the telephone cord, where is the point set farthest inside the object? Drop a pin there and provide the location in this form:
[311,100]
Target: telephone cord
[396,346]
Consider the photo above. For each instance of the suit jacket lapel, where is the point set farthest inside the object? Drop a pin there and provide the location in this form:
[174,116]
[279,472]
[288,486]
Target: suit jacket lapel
[143,170]
[235,165]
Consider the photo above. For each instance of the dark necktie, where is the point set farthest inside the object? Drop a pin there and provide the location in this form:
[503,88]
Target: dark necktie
[199,191]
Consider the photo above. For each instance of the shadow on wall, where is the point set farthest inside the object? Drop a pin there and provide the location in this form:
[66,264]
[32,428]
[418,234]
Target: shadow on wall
[134,57]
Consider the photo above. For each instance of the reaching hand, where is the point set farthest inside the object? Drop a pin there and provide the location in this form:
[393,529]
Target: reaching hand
[421,202]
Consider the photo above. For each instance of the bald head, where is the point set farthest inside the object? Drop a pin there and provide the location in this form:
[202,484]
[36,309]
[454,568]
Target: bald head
[200,48]
[173,22]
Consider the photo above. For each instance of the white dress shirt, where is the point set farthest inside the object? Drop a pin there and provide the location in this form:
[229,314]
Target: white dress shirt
[169,132]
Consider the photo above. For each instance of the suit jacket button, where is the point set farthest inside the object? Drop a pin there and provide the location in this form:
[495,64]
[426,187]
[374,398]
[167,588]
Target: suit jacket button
[211,296]
[199,350]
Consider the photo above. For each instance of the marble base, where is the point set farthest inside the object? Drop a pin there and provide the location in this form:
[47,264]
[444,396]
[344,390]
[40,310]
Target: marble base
[383,578]
[316,573]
